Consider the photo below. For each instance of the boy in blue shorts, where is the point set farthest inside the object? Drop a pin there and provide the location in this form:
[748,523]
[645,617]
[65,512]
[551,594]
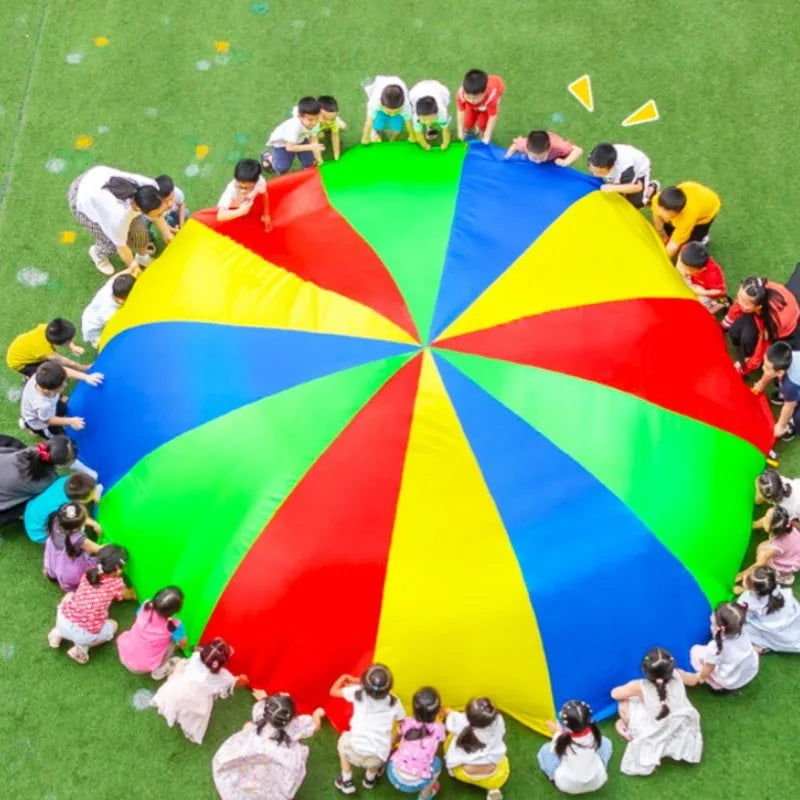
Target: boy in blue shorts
[388,110]
[296,136]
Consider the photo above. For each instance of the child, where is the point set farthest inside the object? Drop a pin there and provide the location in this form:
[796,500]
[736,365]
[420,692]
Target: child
[266,759]
[702,275]
[774,488]
[414,766]
[109,299]
[576,759]
[149,644]
[478,103]
[656,718]
[32,348]
[430,113]
[189,693]
[388,108]
[781,366]
[773,613]
[296,136]
[174,207]
[728,662]
[237,199]
[82,616]
[625,170]
[684,213]
[68,552]
[763,312]
[43,409]
[75,488]
[781,551]
[369,741]
[330,122]
[543,146]
[475,751]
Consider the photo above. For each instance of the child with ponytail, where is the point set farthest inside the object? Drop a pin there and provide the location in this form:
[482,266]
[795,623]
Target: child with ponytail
[266,758]
[655,716]
[575,760]
[781,551]
[68,552]
[771,487]
[773,613]
[728,661]
[475,751]
[82,616]
[414,766]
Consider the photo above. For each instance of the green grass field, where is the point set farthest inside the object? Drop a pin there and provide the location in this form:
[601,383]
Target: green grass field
[725,77]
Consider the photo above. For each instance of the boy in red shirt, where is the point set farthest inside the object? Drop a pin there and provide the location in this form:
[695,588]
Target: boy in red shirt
[478,101]
[703,276]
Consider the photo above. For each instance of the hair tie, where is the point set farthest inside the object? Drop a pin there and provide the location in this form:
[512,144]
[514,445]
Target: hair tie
[99,569]
[659,680]
[43,451]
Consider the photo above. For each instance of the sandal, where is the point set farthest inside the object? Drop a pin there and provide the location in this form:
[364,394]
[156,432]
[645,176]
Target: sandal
[78,655]
[54,639]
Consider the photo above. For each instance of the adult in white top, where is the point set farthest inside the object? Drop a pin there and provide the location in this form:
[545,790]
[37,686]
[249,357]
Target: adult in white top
[108,300]
[108,203]
[773,613]
[625,170]
[430,110]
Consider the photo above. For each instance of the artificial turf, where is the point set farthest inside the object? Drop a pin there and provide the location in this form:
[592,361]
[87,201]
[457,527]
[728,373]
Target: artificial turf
[725,78]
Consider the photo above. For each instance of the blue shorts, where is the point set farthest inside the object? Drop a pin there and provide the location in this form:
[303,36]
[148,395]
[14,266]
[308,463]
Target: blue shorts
[394,122]
[411,788]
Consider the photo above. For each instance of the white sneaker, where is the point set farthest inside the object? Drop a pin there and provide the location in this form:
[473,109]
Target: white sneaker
[706,240]
[166,669]
[21,423]
[494,794]
[144,259]
[100,261]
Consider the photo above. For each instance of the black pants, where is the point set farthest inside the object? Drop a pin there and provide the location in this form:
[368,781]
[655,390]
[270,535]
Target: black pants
[13,514]
[699,232]
[744,335]
[29,370]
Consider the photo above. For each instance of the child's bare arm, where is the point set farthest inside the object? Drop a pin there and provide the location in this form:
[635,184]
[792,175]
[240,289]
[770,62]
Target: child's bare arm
[75,349]
[460,123]
[336,145]
[129,593]
[490,126]
[412,136]
[163,228]
[622,188]
[696,678]
[627,690]
[341,682]
[673,247]
[69,364]
[79,373]
[225,214]
[126,254]
[317,716]
[181,214]
[365,134]
[445,137]
[573,156]
[512,148]
[76,423]
[90,547]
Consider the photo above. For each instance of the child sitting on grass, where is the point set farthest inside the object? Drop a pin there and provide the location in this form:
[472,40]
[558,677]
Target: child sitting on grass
[75,488]
[543,146]
[684,213]
[239,195]
[781,550]
[655,716]
[773,613]
[297,136]
[32,348]
[702,275]
[388,110]
[369,741]
[68,551]
[43,408]
[771,487]
[781,365]
[82,616]
[478,104]
[430,113]
[331,123]
[625,170]
[149,644]
[109,299]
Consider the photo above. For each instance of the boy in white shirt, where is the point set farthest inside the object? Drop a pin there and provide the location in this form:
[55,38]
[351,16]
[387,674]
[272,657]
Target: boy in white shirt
[296,136]
[239,195]
[108,300]
[388,108]
[625,170]
[43,410]
[430,112]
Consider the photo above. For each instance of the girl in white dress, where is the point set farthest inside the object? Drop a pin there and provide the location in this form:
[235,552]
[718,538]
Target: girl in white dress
[265,760]
[656,717]
[772,487]
[773,613]
[729,661]
[188,695]
[576,759]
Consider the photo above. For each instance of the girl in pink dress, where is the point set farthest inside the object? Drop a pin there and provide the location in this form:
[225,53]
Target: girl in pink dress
[188,695]
[149,644]
[265,760]
[68,552]
[781,551]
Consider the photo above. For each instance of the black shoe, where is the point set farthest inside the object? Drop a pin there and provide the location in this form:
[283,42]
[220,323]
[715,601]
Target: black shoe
[345,786]
[776,398]
[430,134]
[266,162]
[790,433]
[718,691]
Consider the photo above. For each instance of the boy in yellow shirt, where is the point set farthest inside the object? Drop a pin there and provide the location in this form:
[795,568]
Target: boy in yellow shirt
[684,213]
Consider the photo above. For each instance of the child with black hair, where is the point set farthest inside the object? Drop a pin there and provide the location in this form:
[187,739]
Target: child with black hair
[149,644]
[430,113]
[781,551]
[763,312]
[188,695]
[266,759]
[75,488]
[575,760]
[729,661]
[475,750]
[545,146]
[369,741]
[110,297]
[30,349]
[414,767]
[684,213]
[702,275]
[331,123]
[68,551]
[297,136]
[388,110]
[43,408]
[655,716]
[773,613]
[82,616]
[478,104]
[782,366]
[173,208]
[625,170]
[240,194]
[771,487]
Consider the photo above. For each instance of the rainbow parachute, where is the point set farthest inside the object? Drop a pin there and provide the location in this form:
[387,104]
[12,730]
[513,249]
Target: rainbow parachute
[455,414]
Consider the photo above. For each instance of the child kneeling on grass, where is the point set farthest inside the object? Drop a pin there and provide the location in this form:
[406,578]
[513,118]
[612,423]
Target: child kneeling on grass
[68,552]
[781,365]
[369,741]
[542,147]
[31,349]
[703,276]
[298,137]
[388,109]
